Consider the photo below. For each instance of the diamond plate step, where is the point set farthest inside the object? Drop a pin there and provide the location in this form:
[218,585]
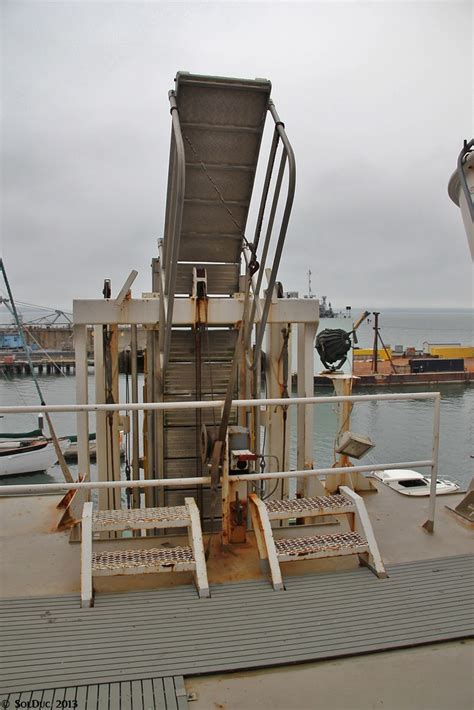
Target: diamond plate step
[140,518]
[174,559]
[309,507]
[306,548]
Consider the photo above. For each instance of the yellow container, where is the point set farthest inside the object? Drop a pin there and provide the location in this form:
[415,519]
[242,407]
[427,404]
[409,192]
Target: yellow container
[452,351]
[367,352]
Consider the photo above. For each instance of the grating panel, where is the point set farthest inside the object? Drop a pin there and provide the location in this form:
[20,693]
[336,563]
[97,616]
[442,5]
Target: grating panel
[177,495]
[216,344]
[180,378]
[216,147]
[181,442]
[211,218]
[301,507]
[234,184]
[139,517]
[199,246]
[222,101]
[121,560]
[301,546]
[222,279]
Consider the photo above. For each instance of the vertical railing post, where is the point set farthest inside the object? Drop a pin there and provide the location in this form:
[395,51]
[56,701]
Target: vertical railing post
[82,418]
[135,417]
[429,524]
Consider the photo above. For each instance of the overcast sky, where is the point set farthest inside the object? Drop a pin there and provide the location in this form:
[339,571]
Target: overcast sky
[376,98]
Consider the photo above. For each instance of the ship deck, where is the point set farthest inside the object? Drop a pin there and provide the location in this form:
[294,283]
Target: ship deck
[51,643]
[143,639]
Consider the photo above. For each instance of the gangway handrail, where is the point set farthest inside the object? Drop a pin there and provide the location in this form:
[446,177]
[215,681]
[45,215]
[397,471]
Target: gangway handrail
[206,480]
[287,155]
[466,149]
[174,225]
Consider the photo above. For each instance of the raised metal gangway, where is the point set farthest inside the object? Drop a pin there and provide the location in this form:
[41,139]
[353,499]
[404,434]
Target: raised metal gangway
[217,129]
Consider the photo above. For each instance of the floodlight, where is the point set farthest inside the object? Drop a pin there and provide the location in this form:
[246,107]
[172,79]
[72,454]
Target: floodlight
[354,445]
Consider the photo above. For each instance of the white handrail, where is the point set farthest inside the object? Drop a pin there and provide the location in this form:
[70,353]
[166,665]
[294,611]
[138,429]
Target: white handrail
[205,480]
[280,401]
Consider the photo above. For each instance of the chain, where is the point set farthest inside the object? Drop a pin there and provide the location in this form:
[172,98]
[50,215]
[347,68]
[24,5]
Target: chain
[253,265]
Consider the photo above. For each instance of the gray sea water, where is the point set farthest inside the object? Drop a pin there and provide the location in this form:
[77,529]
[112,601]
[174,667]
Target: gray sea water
[401,431]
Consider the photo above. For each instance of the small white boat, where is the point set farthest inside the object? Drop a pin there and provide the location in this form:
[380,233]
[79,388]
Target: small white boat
[9,440]
[28,456]
[71,452]
[412,483]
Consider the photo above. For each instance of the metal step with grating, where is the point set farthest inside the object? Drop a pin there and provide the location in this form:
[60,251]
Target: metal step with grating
[131,561]
[308,548]
[169,559]
[309,507]
[358,540]
[140,518]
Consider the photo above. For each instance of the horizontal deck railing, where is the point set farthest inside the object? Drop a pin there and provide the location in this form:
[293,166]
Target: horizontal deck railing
[206,480]
[249,477]
[212,404]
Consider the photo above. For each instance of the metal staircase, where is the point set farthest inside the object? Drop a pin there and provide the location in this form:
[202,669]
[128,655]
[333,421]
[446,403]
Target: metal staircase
[358,540]
[187,558]
[204,323]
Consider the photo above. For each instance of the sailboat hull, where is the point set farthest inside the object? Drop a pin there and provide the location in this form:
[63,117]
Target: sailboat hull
[34,459]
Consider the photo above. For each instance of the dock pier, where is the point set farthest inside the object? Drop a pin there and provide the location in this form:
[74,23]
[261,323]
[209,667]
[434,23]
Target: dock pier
[45,363]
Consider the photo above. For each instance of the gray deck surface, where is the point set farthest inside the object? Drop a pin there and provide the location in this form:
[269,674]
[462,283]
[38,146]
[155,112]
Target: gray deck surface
[149,694]
[50,642]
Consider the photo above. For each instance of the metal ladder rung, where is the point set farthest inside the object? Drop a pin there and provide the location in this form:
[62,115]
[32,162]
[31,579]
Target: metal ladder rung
[222,166]
[221,127]
[214,202]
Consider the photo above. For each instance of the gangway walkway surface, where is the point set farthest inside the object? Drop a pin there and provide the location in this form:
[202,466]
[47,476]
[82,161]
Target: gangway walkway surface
[217,134]
[49,642]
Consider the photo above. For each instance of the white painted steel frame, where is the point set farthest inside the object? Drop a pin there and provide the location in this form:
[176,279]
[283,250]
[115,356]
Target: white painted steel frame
[86,556]
[221,311]
[363,526]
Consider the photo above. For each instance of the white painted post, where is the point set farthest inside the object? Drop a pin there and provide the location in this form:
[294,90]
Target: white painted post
[343,387]
[82,418]
[115,443]
[86,556]
[429,524]
[101,417]
[305,414]
[197,546]
[267,533]
[363,526]
[278,431]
